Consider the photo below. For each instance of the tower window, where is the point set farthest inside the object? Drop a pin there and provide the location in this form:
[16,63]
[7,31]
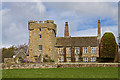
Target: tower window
[60,51]
[40,47]
[40,36]
[40,29]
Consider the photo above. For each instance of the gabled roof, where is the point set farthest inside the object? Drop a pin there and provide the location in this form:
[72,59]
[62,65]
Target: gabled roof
[20,52]
[77,41]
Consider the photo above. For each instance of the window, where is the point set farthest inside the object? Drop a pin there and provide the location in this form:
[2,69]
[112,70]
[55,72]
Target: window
[93,50]
[68,59]
[76,50]
[40,47]
[85,59]
[40,29]
[59,59]
[62,58]
[77,58]
[40,36]
[93,59]
[60,51]
[85,50]
[68,50]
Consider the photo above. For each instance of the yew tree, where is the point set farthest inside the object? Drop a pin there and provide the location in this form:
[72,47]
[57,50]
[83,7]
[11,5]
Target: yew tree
[108,47]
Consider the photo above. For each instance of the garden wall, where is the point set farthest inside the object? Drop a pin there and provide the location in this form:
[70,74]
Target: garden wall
[53,65]
[63,65]
[27,65]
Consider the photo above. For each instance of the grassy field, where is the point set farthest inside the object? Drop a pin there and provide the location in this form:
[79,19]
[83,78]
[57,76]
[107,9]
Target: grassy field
[87,72]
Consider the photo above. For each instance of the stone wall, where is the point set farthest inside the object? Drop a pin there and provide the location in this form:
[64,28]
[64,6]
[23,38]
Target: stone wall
[8,60]
[64,65]
[47,31]
[53,65]
[28,65]
[81,55]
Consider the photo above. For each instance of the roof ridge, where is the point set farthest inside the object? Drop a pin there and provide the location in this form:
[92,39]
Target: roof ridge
[78,37]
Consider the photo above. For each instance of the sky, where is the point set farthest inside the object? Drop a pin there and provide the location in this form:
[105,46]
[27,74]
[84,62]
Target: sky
[119,17]
[82,18]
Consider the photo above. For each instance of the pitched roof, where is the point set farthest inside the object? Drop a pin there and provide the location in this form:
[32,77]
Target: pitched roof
[76,41]
[20,52]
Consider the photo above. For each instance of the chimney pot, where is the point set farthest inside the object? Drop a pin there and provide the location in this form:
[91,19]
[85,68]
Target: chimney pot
[99,30]
[98,21]
[66,33]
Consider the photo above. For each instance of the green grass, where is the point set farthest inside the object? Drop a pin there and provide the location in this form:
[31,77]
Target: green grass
[87,72]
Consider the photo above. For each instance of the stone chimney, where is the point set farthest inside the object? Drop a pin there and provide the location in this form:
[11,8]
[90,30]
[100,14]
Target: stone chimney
[99,30]
[66,33]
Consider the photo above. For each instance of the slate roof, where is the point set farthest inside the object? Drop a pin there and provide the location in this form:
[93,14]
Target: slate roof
[76,41]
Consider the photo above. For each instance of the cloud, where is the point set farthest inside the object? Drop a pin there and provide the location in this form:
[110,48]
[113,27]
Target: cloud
[61,1]
[92,9]
[15,17]
[93,32]
[16,34]
[119,17]
[82,18]
[82,15]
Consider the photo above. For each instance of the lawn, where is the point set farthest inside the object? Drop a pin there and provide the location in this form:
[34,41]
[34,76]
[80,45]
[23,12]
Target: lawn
[82,72]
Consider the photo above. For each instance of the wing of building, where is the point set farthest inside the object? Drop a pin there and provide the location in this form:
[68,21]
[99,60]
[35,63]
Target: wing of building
[44,43]
[77,49]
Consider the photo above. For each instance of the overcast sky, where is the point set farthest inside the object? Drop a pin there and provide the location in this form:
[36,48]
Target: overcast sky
[81,16]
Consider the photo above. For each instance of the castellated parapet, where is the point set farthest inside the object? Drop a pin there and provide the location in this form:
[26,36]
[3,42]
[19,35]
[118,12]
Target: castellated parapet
[42,39]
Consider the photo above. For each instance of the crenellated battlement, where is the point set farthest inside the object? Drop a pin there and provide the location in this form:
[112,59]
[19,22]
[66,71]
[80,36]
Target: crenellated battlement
[40,24]
[42,35]
[32,22]
[44,45]
[49,21]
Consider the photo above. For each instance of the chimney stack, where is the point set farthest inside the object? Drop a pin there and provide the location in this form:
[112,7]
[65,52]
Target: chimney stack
[66,33]
[99,30]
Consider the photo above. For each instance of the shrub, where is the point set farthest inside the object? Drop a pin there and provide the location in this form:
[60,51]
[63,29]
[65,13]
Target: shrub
[108,47]
[45,60]
[52,61]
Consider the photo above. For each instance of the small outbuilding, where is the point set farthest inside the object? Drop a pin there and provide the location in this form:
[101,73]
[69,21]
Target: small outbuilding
[20,55]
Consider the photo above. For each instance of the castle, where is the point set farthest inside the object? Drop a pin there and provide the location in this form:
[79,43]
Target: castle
[44,43]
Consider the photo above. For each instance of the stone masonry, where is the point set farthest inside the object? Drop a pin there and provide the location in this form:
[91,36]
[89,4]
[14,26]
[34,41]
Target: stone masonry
[42,34]
[44,43]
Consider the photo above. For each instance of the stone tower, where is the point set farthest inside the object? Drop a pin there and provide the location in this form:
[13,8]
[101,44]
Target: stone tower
[99,30]
[66,33]
[42,39]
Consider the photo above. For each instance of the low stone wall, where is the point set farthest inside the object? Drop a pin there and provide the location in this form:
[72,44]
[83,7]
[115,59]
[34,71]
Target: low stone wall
[27,65]
[53,65]
[64,65]
[9,60]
